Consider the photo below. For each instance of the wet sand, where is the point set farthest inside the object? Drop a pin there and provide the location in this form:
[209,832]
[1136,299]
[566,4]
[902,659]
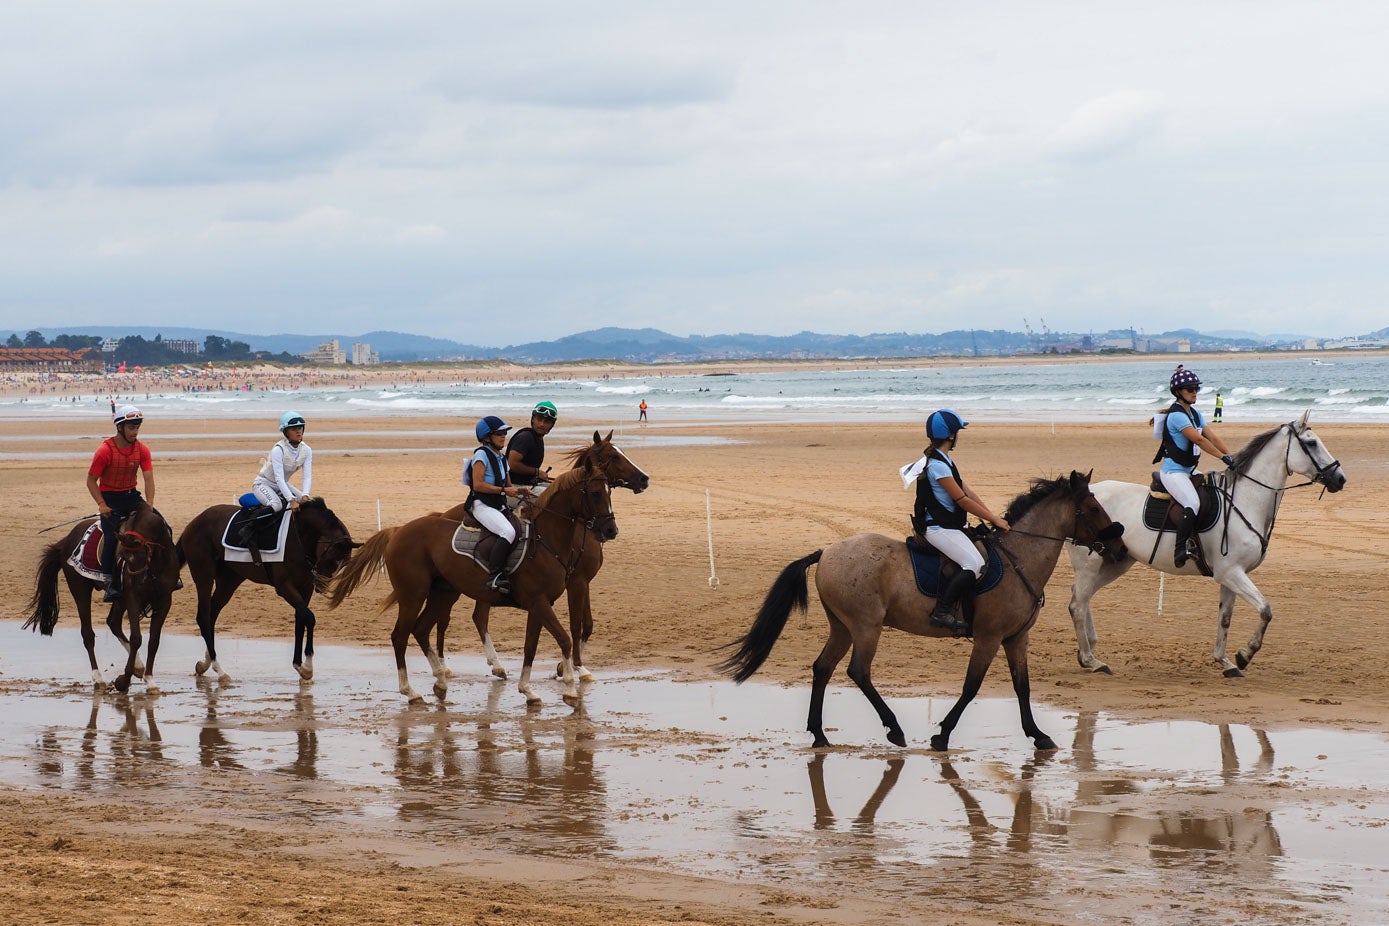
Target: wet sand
[958,838]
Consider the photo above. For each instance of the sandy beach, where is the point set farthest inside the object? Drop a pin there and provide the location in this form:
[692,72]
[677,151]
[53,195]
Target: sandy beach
[777,494]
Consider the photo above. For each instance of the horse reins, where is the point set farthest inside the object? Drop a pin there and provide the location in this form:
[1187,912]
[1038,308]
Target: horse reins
[1096,546]
[590,524]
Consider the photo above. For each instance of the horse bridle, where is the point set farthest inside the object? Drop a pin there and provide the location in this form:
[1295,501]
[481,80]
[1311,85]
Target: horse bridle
[1235,475]
[590,523]
[1102,537]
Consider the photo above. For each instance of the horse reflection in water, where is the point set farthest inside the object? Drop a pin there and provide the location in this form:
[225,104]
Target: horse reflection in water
[132,755]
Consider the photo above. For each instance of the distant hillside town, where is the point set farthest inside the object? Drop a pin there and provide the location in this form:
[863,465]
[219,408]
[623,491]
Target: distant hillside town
[112,348]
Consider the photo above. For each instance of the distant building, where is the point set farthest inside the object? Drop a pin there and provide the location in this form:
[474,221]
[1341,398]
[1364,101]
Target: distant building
[182,346]
[109,345]
[51,359]
[1184,346]
[327,352]
[363,355]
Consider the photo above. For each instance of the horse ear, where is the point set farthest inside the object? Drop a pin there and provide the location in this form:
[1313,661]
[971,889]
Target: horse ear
[1302,422]
[596,438]
[356,544]
[606,440]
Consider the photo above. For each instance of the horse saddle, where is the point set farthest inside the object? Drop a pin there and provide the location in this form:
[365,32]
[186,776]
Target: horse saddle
[253,536]
[930,568]
[475,541]
[86,557]
[1162,512]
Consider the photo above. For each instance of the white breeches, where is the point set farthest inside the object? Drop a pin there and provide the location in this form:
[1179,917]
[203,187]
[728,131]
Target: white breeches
[494,521]
[268,494]
[958,547]
[1178,485]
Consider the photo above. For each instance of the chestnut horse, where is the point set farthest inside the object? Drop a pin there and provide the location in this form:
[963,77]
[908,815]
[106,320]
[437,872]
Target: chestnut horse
[315,547]
[427,576]
[866,582]
[621,473]
[149,567]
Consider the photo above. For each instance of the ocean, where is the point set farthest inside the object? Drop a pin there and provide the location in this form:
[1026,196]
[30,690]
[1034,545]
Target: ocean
[1343,389]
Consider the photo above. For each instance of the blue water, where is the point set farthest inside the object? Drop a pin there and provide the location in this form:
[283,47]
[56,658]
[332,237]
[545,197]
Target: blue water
[1345,389]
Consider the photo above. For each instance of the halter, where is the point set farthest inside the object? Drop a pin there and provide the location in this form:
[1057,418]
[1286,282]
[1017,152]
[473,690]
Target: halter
[1322,471]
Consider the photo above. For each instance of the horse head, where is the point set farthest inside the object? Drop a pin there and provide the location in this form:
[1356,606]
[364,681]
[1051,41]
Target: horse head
[325,535]
[1094,528]
[142,537]
[620,472]
[580,494]
[1314,461]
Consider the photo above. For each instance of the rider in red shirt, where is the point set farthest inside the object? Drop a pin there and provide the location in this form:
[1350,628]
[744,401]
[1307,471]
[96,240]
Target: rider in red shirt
[111,483]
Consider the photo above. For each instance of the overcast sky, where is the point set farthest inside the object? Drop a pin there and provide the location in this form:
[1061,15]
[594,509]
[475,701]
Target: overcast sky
[505,172]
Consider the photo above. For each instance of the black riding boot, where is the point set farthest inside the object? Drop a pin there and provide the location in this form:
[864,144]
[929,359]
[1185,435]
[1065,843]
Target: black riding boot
[943,615]
[252,524]
[497,581]
[1186,544]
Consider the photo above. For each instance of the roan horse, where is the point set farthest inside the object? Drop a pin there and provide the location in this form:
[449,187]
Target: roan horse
[621,473]
[1250,492]
[427,576]
[315,547]
[149,567]
[866,583]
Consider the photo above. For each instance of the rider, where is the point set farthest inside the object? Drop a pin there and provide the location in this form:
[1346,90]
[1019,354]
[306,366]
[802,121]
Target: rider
[111,482]
[1184,434]
[289,456]
[942,500]
[525,453]
[488,488]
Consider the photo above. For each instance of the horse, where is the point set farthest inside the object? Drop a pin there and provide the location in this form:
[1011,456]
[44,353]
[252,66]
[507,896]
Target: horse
[866,583]
[1250,492]
[621,473]
[149,567]
[315,548]
[427,576]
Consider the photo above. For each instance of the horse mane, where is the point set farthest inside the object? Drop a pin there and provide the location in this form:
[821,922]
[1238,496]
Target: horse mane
[565,480]
[1252,449]
[578,455]
[1039,489]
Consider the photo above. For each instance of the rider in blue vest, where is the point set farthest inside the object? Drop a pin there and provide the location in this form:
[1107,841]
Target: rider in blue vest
[488,488]
[942,501]
[1184,435]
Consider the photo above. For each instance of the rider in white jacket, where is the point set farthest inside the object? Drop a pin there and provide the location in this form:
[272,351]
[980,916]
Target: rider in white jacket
[289,456]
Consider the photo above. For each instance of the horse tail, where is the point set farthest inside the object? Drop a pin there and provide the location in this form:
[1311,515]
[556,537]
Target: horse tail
[43,606]
[360,567]
[787,592]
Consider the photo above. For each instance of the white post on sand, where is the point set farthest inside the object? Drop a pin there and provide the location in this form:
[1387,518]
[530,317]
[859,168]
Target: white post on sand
[1162,582]
[378,515]
[709,521]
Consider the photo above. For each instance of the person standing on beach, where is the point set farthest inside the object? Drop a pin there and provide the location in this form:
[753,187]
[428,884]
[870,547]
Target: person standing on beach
[1184,434]
[525,452]
[1219,415]
[111,483]
[942,503]
[641,413]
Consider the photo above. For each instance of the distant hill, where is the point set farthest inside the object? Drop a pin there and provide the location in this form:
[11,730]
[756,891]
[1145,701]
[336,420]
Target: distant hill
[651,345]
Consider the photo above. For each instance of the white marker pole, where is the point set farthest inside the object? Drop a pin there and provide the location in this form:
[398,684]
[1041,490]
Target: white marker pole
[709,521]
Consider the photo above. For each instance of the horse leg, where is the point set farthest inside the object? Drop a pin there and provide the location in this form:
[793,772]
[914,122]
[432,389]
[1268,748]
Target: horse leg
[1016,650]
[114,621]
[304,621]
[427,620]
[447,597]
[122,682]
[1237,582]
[580,625]
[481,613]
[408,608]
[156,629]
[835,647]
[83,600]
[979,660]
[1092,573]
[861,671]
[542,615]
[212,598]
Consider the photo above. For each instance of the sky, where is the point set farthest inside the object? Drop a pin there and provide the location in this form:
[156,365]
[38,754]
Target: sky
[499,173]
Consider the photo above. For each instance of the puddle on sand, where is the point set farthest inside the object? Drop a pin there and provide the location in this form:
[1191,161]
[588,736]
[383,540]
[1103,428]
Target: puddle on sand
[715,780]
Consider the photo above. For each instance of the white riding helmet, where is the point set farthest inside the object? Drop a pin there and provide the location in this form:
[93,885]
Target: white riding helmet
[127,413]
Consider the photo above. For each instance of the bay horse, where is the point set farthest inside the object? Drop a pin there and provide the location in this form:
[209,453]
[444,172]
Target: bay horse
[866,582]
[316,546]
[427,576]
[149,567]
[1250,492]
[621,473]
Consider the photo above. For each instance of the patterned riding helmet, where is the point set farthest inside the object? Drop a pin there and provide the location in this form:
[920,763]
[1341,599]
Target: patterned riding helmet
[490,425]
[546,410]
[291,420]
[127,413]
[943,424]
[1184,379]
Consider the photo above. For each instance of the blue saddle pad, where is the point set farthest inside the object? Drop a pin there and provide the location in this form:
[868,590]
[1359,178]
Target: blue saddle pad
[926,563]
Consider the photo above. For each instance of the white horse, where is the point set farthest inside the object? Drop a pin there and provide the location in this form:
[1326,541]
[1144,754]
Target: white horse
[1234,546]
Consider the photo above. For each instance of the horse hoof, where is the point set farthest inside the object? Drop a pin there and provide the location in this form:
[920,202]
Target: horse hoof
[532,700]
[1102,669]
[416,699]
[224,679]
[441,692]
[820,742]
[583,674]
[571,699]
[1233,673]
[940,743]
[1241,660]
[897,738]
[1045,742]
[448,673]
[499,672]
[121,684]
[305,673]
[201,666]
[153,690]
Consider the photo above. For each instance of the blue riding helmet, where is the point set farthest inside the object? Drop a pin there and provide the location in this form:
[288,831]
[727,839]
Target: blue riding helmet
[291,420]
[490,425]
[943,424]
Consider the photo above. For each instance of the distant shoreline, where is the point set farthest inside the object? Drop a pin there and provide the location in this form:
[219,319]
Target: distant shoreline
[270,376]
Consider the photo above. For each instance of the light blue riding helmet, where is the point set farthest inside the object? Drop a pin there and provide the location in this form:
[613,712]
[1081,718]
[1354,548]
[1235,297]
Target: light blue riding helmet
[291,420]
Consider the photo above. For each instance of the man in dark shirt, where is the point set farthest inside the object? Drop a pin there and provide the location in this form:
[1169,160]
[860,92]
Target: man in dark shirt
[525,454]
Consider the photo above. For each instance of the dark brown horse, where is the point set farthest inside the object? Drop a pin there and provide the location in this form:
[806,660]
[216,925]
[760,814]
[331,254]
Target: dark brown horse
[149,567]
[315,547]
[866,583]
[621,473]
[427,576]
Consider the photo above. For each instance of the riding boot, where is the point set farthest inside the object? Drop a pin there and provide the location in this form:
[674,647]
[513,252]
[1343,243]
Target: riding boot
[112,591]
[252,524]
[497,581]
[943,615]
[1186,544]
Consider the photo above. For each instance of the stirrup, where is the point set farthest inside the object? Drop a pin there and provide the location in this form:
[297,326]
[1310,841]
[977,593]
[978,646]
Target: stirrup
[949,620]
[500,583]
